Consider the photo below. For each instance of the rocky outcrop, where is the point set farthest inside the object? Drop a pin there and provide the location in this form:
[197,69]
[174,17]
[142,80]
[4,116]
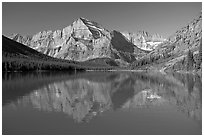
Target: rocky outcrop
[173,54]
[186,41]
[82,40]
[144,40]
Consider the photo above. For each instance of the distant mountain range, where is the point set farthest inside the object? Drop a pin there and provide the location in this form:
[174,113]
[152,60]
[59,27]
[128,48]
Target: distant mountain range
[144,40]
[86,40]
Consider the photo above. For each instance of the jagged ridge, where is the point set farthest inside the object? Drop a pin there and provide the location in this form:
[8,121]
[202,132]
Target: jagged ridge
[82,40]
[172,54]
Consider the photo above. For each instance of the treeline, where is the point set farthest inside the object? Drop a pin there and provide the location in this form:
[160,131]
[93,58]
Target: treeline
[15,62]
[154,58]
[26,65]
[35,57]
[190,62]
[18,57]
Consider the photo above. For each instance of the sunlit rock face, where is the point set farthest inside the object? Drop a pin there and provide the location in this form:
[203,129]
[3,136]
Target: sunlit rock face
[82,40]
[144,40]
[171,55]
[85,98]
[189,35]
[187,38]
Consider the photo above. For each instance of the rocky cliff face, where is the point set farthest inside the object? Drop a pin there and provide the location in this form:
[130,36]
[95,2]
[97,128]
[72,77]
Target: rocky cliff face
[187,39]
[144,40]
[173,53]
[189,33]
[82,40]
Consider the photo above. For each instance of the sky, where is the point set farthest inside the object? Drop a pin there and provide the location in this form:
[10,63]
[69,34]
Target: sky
[162,18]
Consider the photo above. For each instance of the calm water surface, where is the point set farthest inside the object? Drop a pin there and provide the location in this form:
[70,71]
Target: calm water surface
[101,103]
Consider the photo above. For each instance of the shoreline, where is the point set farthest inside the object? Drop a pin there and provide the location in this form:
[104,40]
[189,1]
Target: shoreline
[114,70]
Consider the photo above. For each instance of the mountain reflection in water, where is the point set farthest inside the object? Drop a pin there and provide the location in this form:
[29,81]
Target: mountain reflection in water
[85,96]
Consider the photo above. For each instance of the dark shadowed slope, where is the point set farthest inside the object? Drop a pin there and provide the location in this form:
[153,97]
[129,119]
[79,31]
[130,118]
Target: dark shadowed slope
[123,49]
[100,62]
[120,43]
[18,57]
[11,47]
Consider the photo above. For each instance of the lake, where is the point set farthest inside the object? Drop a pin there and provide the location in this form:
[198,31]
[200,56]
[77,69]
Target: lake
[101,103]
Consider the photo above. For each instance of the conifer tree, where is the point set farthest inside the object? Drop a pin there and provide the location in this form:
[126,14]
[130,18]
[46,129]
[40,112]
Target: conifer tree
[190,61]
[199,60]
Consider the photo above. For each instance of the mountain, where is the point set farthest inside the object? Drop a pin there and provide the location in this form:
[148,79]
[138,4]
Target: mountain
[14,48]
[86,40]
[18,57]
[81,41]
[144,40]
[181,51]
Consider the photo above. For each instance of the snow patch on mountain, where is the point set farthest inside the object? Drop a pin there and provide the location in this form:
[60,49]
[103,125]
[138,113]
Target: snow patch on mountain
[144,40]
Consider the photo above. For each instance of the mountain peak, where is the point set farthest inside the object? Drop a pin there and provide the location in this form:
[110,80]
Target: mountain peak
[90,23]
[82,18]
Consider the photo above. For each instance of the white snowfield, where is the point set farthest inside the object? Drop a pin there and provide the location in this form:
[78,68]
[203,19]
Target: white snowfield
[154,43]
